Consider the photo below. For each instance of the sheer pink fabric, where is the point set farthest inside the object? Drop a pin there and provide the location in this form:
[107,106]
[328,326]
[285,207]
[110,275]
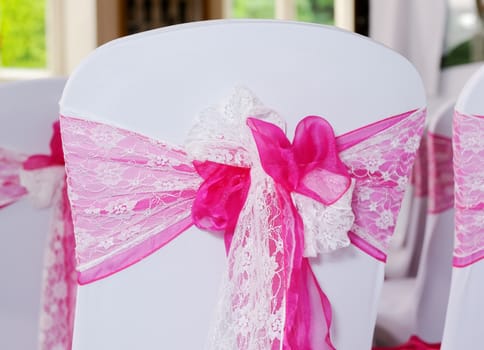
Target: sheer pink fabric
[414,343]
[420,168]
[59,275]
[468,141]
[10,188]
[130,195]
[441,173]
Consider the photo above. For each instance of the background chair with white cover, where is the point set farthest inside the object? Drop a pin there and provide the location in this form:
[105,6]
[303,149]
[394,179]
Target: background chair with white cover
[405,250]
[27,111]
[417,306]
[465,313]
[154,84]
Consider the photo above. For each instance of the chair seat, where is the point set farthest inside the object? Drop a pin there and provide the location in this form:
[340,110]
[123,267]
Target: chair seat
[396,311]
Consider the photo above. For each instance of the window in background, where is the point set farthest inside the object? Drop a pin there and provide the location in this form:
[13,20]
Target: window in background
[141,15]
[464,41]
[22,34]
[315,11]
[253,8]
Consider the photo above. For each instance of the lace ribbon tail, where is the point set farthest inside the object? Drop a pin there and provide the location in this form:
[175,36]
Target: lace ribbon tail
[59,280]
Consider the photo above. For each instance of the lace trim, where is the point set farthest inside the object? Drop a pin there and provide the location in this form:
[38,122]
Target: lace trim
[142,187]
[58,274]
[10,188]
[381,166]
[469,188]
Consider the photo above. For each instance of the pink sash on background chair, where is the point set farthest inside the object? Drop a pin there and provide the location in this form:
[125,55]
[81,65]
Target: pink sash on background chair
[417,306]
[464,320]
[404,253]
[469,189]
[41,179]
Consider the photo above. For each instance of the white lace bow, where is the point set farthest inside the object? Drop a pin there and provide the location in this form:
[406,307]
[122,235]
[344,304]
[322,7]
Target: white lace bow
[248,316]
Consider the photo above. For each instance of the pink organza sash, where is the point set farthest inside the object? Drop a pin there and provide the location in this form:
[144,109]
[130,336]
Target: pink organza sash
[468,142]
[59,276]
[414,343]
[441,174]
[420,174]
[277,202]
[10,188]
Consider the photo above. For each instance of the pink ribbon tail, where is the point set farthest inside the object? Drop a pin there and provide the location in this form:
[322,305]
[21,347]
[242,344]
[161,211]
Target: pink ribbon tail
[414,343]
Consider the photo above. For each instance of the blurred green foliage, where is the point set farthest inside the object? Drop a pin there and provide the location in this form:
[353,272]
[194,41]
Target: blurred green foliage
[316,11]
[460,54]
[253,8]
[22,33]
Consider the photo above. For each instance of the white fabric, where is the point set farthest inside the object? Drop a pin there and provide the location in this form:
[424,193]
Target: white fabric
[326,227]
[403,260]
[173,292]
[43,185]
[465,316]
[27,111]
[416,29]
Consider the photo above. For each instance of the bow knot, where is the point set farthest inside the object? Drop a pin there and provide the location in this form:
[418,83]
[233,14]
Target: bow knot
[309,168]
[38,176]
[310,186]
[43,175]
[310,165]
[43,185]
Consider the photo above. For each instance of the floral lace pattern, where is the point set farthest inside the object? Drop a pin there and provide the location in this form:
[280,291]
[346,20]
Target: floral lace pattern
[45,189]
[10,188]
[59,280]
[468,144]
[381,165]
[325,227]
[124,190]
[255,318]
[441,173]
[130,195]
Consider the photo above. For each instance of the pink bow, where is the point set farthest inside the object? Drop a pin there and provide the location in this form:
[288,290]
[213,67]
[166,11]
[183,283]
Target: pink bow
[59,284]
[56,156]
[310,166]
[11,164]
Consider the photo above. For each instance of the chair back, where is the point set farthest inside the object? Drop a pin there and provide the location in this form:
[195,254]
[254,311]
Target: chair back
[465,314]
[154,84]
[27,111]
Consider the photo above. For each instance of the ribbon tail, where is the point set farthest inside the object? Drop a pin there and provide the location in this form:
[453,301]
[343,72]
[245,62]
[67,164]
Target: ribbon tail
[312,322]
[308,309]
[250,312]
[325,308]
[297,328]
[59,279]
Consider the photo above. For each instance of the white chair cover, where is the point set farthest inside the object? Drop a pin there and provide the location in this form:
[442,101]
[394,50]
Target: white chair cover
[155,83]
[27,111]
[465,313]
[405,251]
